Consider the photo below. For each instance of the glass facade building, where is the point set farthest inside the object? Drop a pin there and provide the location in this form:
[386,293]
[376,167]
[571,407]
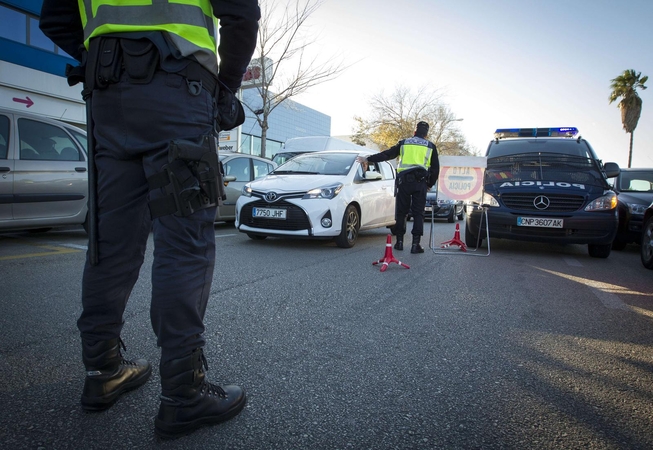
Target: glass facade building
[23,47]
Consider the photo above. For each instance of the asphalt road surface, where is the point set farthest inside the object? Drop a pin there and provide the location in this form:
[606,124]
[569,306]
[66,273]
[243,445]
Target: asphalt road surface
[532,347]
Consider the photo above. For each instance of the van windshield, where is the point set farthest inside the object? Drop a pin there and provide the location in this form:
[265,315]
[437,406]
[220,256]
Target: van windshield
[558,146]
[529,167]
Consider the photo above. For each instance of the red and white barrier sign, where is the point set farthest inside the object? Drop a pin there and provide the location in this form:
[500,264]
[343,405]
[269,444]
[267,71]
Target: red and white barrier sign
[461,178]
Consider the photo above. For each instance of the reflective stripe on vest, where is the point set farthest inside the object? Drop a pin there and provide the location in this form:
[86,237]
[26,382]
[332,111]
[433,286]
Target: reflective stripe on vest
[415,153]
[189,23]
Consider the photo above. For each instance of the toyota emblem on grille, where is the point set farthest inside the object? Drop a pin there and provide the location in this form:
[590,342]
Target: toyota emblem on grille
[541,202]
[270,197]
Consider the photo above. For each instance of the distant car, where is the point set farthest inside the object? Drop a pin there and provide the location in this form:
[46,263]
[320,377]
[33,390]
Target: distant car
[440,208]
[320,195]
[43,172]
[634,188]
[646,250]
[244,168]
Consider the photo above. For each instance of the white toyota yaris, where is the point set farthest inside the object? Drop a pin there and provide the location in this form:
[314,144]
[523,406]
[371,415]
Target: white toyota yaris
[319,195]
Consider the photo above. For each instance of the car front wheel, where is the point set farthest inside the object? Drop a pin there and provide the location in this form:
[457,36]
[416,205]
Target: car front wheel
[646,251]
[350,225]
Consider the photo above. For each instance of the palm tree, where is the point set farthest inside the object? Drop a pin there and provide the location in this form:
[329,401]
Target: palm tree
[624,87]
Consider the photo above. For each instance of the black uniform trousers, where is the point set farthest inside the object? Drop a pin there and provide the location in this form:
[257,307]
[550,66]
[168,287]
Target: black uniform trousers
[134,124]
[411,197]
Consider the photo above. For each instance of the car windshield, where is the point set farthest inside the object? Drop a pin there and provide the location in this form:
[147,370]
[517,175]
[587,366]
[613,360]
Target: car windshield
[318,164]
[544,167]
[636,181]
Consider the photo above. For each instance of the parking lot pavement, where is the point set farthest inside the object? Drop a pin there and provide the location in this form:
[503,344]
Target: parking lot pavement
[516,350]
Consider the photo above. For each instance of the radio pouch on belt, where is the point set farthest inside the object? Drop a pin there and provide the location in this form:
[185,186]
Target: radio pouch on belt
[104,62]
[190,181]
[141,59]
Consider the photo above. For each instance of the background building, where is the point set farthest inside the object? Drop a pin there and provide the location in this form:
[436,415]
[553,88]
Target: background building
[32,80]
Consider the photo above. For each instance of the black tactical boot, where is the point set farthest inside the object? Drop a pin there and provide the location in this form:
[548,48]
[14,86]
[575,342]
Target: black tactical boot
[188,401]
[416,248]
[399,245]
[108,374]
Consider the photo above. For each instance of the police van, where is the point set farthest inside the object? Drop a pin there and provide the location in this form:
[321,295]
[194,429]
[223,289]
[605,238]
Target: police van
[546,185]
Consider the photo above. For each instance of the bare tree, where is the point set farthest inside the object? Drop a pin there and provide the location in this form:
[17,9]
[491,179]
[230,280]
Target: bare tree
[282,42]
[393,117]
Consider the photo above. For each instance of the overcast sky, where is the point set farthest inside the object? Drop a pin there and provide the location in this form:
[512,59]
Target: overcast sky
[502,63]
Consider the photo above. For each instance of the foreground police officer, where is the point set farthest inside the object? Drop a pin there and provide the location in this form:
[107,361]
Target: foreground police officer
[417,171]
[157,96]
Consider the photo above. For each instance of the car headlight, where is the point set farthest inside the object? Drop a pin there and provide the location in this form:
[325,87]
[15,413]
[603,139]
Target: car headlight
[246,191]
[604,203]
[637,208]
[328,192]
[489,200]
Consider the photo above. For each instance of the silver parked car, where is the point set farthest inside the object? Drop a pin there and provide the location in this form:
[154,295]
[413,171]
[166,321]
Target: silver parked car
[43,172]
[239,169]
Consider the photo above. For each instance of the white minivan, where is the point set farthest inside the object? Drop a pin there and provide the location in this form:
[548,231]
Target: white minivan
[43,172]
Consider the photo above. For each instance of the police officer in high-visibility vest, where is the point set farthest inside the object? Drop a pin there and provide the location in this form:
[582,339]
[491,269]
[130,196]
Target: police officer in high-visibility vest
[417,171]
[157,94]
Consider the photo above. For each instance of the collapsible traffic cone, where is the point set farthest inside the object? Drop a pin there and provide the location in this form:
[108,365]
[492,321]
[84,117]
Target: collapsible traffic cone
[455,241]
[389,257]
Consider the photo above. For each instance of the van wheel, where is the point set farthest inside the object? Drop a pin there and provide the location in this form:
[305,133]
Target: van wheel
[351,223]
[470,239]
[599,251]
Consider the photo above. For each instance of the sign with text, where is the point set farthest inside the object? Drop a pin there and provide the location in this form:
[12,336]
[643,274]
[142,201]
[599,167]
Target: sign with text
[228,140]
[461,178]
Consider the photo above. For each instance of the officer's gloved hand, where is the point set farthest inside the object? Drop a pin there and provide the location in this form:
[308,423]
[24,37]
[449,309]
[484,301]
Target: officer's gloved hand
[230,111]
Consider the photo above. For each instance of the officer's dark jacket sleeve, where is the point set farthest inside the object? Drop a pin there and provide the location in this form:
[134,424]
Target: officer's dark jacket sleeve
[391,153]
[238,31]
[61,22]
[434,170]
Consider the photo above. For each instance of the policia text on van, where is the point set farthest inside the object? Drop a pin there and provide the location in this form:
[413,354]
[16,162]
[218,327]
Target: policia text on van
[546,185]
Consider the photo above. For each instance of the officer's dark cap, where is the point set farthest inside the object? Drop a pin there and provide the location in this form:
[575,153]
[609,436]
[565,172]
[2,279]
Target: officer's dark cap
[422,128]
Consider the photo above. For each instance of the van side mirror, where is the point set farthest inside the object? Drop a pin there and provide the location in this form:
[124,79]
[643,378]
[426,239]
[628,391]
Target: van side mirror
[227,178]
[611,169]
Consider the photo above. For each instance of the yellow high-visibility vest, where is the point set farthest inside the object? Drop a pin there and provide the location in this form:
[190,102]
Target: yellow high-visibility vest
[415,153]
[190,24]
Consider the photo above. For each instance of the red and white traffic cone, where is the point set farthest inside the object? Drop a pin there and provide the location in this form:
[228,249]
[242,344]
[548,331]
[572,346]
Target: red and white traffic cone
[389,257]
[455,241]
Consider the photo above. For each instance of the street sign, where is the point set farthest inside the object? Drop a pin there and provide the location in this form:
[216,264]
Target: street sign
[461,177]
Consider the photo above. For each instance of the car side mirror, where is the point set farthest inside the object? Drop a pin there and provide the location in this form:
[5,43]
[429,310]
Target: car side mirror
[611,169]
[372,176]
[227,178]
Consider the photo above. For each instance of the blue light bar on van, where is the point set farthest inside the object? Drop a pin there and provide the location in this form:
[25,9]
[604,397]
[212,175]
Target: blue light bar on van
[536,132]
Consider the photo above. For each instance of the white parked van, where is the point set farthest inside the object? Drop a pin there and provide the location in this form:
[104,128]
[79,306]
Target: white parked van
[299,145]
